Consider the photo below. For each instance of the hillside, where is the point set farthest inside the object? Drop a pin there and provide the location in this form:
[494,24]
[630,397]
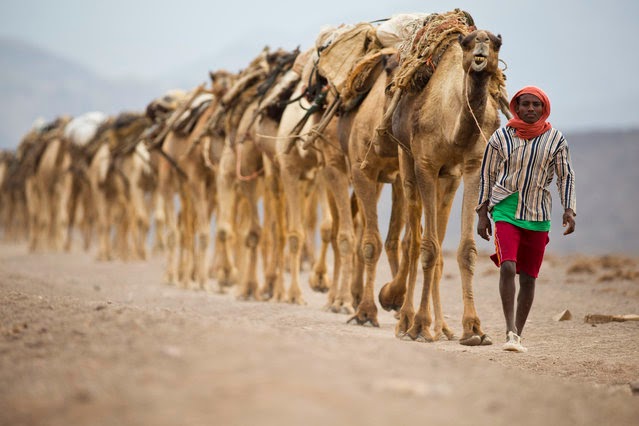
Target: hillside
[35,83]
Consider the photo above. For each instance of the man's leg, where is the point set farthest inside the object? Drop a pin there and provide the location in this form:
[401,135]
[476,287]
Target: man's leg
[507,272]
[524,300]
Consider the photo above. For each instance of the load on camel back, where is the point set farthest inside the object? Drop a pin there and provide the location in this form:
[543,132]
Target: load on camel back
[352,60]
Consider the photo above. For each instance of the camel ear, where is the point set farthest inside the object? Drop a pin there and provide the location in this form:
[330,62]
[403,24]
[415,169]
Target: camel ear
[463,40]
[496,41]
[212,76]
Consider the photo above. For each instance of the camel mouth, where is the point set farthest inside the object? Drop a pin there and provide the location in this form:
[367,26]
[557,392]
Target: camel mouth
[479,62]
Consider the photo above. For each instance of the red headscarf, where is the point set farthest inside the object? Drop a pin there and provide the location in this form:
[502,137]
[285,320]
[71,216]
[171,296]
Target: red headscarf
[523,129]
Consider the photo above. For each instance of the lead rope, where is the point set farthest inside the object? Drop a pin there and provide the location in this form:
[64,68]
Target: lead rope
[470,108]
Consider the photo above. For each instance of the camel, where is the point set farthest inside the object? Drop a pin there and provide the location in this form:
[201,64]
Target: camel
[246,167]
[79,132]
[443,127]
[195,154]
[323,162]
[13,203]
[370,169]
[115,171]
[48,187]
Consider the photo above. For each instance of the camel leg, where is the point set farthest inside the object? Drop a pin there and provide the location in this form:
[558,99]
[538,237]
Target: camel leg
[140,221]
[413,232]
[319,280]
[63,222]
[248,283]
[293,188]
[203,230]
[226,218]
[101,207]
[187,236]
[430,252]
[391,296]
[74,213]
[170,228]
[274,221]
[310,221]
[357,284]
[397,219]
[279,213]
[368,192]
[447,187]
[159,243]
[32,209]
[343,301]
[466,258]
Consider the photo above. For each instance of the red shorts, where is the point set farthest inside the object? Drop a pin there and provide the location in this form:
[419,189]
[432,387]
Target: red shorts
[525,248]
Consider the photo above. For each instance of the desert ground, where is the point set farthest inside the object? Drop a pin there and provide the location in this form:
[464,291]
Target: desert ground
[89,343]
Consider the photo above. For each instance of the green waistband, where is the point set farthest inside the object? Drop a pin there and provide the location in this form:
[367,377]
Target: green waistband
[505,210]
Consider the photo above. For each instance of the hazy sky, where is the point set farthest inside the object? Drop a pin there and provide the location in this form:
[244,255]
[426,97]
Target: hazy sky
[582,53]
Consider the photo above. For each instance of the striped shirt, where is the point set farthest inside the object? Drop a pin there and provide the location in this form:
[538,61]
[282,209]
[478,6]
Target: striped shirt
[512,164]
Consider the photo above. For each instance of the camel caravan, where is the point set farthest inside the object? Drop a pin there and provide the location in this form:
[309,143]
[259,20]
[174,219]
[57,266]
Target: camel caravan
[238,176]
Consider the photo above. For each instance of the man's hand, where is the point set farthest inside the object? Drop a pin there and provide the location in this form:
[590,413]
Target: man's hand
[569,221]
[484,228]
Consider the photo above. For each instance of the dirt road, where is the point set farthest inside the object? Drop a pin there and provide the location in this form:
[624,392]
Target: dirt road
[87,343]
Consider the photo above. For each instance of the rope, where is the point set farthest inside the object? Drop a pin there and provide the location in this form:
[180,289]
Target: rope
[470,108]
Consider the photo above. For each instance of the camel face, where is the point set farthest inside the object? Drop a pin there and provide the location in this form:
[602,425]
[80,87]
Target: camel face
[481,51]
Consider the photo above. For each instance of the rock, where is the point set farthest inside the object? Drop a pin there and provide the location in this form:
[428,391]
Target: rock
[634,387]
[563,316]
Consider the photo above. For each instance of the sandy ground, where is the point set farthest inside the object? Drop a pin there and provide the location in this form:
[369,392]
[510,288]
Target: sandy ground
[88,343]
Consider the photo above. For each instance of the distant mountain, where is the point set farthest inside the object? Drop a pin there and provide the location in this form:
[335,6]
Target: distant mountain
[35,83]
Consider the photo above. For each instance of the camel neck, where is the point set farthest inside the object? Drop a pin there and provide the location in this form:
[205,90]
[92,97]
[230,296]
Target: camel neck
[475,94]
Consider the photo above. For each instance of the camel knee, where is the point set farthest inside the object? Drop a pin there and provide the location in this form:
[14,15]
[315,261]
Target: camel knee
[345,244]
[430,252]
[253,238]
[467,255]
[391,245]
[326,232]
[294,242]
[223,233]
[371,250]
[203,240]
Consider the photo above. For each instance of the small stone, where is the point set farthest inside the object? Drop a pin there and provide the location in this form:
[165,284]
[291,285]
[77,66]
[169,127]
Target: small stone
[563,316]
[634,387]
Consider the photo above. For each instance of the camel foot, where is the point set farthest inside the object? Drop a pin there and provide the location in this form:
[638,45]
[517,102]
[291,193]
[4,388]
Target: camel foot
[443,333]
[295,298]
[476,340]
[404,322]
[363,320]
[402,335]
[486,340]
[424,338]
[170,279]
[340,307]
[319,282]
[278,297]
[420,334]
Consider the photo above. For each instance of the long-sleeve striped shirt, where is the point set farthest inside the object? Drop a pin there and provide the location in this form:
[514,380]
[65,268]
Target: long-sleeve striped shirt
[512,164]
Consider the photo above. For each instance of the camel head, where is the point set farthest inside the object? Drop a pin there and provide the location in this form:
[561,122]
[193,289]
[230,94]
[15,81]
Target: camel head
[221,82]
[481,51]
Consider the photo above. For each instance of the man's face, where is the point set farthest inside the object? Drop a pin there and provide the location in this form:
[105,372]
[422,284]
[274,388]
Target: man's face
[529,108]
